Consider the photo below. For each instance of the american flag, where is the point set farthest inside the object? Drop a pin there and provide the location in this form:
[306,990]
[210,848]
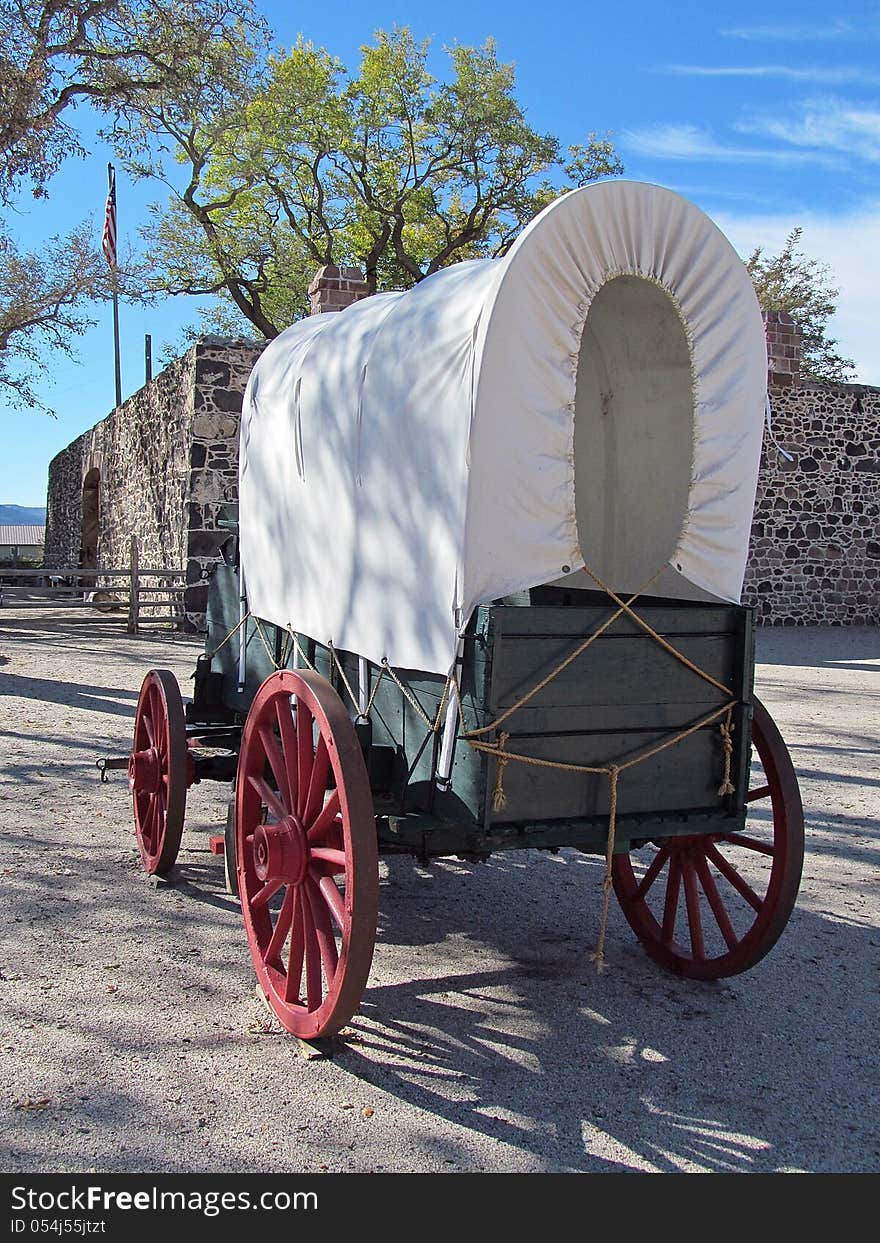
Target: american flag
[108,237]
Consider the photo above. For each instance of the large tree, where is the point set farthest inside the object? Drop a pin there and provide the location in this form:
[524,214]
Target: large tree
[43,299]
[801,286]
[54,54]
[304,164]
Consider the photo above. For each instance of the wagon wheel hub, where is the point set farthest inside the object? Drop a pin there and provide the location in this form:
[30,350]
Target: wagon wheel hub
[145,771]
[281,852]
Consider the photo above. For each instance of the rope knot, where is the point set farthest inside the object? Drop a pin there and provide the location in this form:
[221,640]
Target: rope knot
[499,798]
[727,727]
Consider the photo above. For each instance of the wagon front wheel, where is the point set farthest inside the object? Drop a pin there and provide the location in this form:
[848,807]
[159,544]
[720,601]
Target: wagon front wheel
[159,770]
[709,906]
[306,853]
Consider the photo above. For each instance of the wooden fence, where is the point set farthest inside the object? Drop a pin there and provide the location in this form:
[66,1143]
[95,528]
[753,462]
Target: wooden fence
[105,590]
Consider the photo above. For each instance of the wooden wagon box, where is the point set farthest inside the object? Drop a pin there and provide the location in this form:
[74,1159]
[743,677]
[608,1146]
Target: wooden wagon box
[623,696]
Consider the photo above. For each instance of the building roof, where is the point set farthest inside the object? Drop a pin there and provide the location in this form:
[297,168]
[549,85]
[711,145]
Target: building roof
[22,535]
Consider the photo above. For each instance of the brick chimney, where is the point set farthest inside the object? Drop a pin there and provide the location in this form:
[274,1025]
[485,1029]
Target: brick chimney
[783,349]
[333,288]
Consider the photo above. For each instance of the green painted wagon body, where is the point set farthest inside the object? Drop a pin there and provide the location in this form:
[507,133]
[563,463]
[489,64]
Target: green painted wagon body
[623,696]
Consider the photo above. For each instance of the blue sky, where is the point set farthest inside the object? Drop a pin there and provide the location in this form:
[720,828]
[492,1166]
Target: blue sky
[766,117]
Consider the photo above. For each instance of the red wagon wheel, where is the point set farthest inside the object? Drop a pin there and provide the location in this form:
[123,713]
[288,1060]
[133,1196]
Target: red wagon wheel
[307,855]
[713,905]
[159,770]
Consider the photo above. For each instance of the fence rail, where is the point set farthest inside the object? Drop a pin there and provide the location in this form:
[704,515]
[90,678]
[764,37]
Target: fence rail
[80,585]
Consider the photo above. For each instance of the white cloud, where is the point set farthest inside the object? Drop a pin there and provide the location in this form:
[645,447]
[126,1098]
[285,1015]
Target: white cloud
[815,73]
[793,34]
[690,142]
[850,245]
[834,125]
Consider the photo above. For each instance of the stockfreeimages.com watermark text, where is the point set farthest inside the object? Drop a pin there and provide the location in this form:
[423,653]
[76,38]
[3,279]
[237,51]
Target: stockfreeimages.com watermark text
[96,1199]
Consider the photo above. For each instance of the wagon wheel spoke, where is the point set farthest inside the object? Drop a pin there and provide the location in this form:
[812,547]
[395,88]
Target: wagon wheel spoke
[265,893]
[317,783]
[670,908]
[282,928]
[304,753]
[653,872]
[331,895]
[323,931]
[732,876]
[750,843]
[312,956]
[336,858]
[151,820]
[284,713]
[713,897]
[325,819]
[692,902]
[295,957]
[268,795]
[758,793]
[276,762]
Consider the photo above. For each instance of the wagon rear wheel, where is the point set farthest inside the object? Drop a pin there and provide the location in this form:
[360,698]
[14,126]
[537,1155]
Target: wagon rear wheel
[709,906]
[306,853]
[159,770]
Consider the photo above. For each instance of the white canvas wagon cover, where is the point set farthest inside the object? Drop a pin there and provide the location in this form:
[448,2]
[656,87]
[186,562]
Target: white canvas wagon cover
[595,397]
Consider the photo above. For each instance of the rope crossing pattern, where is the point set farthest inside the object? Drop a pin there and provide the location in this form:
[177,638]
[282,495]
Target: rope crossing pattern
[503,757]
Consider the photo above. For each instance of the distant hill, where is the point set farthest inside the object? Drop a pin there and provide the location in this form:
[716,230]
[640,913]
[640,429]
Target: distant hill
[22,515]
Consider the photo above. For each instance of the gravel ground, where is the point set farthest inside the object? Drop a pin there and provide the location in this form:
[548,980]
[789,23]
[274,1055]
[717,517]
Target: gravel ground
[131,1038]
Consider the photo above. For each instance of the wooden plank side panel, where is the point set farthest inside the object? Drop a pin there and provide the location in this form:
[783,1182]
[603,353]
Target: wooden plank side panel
[222,617]
[632,669]
[667,620]
[683,778]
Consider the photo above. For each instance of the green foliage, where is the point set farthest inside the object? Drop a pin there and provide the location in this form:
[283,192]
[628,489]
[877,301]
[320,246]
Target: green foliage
[294,163]
[42,300]
[54,53]
[791,282]
[116,54]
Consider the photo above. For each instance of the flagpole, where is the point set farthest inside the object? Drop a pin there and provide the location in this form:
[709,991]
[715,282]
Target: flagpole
[109,247]
[116,341]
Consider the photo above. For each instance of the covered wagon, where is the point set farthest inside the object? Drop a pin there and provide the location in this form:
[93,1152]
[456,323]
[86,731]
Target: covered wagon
[482,593]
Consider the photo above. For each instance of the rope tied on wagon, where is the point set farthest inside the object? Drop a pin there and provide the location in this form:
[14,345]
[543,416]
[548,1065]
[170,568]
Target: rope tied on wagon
[503,756]
[234,631]
[727,728]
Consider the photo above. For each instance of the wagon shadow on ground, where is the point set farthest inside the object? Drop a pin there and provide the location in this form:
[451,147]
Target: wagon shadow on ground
[539,1052]
[486,1013]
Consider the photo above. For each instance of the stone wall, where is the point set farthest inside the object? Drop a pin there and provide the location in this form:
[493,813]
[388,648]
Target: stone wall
[141,453]
[167,462]
[168,466]
[815,550]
